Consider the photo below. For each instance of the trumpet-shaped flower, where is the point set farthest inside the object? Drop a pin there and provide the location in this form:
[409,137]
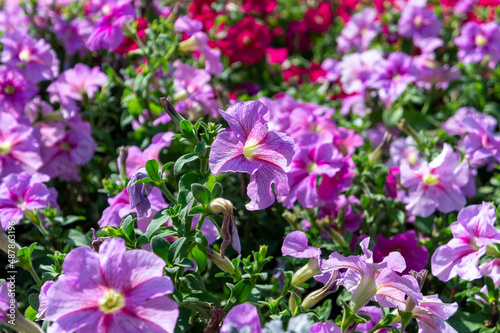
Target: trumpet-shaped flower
[418,22]
[250,147]
[15,90]
[473,231]
[436,185]
[366,279]
[478,41]
[112,291]
[432,314]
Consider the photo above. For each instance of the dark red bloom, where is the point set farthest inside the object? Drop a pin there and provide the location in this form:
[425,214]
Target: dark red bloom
[259,6]
[129,44]
[202,11]
[296,37]
[302,74]
[345,8]
[246,41]
[319,19]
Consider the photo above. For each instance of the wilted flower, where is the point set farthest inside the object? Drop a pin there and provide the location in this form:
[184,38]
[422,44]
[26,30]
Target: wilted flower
[473,231]
[250,147]
[112,289]
[229,229]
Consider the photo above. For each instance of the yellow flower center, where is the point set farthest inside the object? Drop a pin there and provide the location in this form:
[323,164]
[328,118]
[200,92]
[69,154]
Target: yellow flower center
[25,55]
[413,158]
[480,40]
[65,146]
[9,89]
[311,167]
[429,179]
[417,22]
[5,148]
[250,149]
[111,301]
[247,40]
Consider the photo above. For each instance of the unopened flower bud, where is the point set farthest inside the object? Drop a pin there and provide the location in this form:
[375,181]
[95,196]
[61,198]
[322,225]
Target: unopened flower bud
[306,272]
[329,288]
[169,109]
[229,229]
[195,42]
[138,193]
[223,263]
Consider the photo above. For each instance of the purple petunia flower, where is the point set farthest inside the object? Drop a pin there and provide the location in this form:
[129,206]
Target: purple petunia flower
[311,161]
[19,149]
[473,231]
[138,193]
[356,70]
[404,150]
[112,291]
[241,316]
[436,185]
[74,83]
[23,192]
[326,327]
[73,34]
[42,298]
[250,147]
[418,22]
[478,41]
[359,31]
[392,76]
[432,314]
[36,56]
[415,256]
[351,219]
[15,90]
[107,31]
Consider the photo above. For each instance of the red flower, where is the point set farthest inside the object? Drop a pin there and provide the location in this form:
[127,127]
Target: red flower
[319,19]
[302,74]
[259,6]
[129,44]
[246,41]
[202,11]
[296,37]
[276,55]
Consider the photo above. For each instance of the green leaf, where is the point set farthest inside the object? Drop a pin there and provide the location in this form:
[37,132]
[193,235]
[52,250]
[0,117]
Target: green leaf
[34,301]
[144,180]
[179,164]
[392,116]
[30,313]
[196,210]
[199,254]
[185,194]
[241,291]
[76,238]
[160,246]
[192,282]
[158,220]
[178,250]
[201,194]
[217,191]
[152,168]
[166,166]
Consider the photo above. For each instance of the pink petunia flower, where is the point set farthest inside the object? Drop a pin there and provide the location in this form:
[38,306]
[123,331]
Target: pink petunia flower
[112,291]
[432,314]
[473,231]
[436,185]
[15,90]
[250,147]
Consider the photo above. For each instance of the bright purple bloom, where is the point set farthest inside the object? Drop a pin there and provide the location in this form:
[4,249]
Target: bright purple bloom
[432,314]
[15,90]
[74,83]
[404,150]
[326,327]
[311,119]
[347,140]
[19,150]
[42,298]
[112,291]
[36,56]
[240,316]
[295,245]
[193,91]
[73,34]
[318,159]
[138,193]
[107,31]
[478,41]
[473,231]
[250,147]
[392,76]
[119,207]
[359,31]
[365,279]
[418,22]
[13,18]
[188,25]
[415,256]
[356,69]
[351,219]
[22,192]
[70,148]
[436,185]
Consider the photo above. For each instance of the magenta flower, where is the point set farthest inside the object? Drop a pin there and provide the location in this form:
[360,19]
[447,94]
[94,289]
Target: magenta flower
[250,147]
[478,41]
[358,33]
[351,219]
[74,83]
[107,31]
[15,90]
[242,316]
[69,149]
[36,56]
[365,279]
[312,162]
[23,192]
[73,34]
[356,69]
[418,22]
[415,256]
[120,206]
[432,314]
[19,150]
[311,119]
[473,231]
[111,290]
[393,76]
[436,185]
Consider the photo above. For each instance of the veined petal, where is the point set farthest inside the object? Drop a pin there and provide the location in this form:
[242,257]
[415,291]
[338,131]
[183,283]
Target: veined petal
[227,155]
